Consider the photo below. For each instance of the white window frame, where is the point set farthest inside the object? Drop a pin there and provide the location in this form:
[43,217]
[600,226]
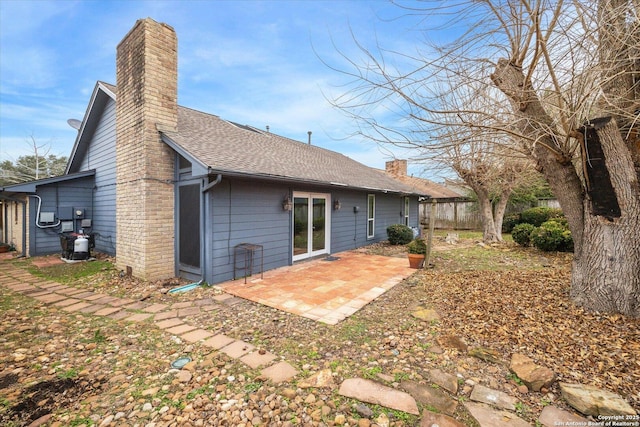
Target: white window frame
[407,208]
[371,216]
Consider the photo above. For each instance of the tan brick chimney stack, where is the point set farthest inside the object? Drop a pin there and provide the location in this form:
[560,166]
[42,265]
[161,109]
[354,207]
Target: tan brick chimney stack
[396,168]
[147,80]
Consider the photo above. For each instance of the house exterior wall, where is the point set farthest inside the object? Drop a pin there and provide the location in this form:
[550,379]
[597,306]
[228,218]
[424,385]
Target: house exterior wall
[146,75]
[248,211]
[61,198]
[100,155]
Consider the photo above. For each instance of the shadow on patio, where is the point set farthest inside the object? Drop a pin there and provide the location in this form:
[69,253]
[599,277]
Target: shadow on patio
[327,290]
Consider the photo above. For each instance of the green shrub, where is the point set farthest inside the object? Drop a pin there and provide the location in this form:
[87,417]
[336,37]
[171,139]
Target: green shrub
[552,236]
[521,234]
[417,246]
[509,222]
[536,216]
[399,234]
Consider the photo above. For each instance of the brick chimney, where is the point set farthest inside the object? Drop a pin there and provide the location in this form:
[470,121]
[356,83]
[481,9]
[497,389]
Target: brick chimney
[147,80]
[396,168]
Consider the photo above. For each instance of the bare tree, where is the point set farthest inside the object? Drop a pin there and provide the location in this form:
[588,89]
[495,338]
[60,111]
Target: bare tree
[31,167]
[564,80]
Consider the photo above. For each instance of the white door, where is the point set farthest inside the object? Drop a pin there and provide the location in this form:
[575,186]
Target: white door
[311,225]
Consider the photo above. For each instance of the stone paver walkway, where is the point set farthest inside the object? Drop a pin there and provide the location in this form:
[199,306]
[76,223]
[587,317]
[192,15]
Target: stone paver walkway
[325,291]
[168,317]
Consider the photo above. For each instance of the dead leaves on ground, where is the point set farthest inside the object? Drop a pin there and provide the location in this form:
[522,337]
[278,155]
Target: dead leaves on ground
[530,312]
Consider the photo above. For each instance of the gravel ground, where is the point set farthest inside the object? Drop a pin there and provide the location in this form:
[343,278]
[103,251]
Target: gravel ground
[76,369]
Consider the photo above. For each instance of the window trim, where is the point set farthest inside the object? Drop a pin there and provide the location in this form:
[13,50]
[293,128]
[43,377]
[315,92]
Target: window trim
[371,216]
[407,209]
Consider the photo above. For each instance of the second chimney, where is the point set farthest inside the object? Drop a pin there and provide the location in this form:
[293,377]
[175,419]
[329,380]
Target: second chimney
[396,167]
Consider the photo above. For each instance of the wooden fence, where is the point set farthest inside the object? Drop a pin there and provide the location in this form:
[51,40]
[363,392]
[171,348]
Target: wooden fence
[463,214]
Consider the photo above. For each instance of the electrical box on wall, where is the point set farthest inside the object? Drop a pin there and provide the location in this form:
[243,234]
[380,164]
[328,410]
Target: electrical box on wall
[47,217]
[78,213]
[65,212]
[356,209]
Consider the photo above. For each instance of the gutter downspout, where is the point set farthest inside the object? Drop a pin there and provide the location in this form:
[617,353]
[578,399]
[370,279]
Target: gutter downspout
[212,184]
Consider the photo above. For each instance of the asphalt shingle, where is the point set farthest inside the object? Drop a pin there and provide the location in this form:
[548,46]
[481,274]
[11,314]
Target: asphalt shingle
[225,147]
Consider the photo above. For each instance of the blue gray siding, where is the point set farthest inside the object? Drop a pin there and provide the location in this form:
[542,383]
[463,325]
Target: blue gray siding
[350,229]
[247,212]
[243,211]
[59,198]
[101,156]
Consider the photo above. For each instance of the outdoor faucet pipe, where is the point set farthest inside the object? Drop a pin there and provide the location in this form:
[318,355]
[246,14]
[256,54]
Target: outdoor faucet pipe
[38,214]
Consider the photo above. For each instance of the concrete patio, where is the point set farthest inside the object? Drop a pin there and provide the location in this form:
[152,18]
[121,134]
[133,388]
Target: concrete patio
[326,290]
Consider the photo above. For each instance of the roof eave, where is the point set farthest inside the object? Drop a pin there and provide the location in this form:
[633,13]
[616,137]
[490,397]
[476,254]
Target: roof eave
[281,178]
[31,186]
[81,135]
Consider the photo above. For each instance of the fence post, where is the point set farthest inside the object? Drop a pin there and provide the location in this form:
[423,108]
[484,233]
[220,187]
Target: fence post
[432,221]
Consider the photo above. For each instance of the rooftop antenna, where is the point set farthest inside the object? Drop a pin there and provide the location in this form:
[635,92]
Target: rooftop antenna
[309,133]
[74,123]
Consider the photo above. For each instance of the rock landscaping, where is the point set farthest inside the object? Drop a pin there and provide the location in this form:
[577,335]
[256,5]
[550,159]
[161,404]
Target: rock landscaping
[447,347]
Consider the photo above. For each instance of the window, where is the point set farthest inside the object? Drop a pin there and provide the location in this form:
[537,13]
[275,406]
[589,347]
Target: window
[406,211]
[371,213]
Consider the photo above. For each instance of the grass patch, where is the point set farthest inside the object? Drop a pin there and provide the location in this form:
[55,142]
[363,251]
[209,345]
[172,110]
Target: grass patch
[481,258]
[354,330]
[462,234]
[69,273]
[372,372]
[68,374]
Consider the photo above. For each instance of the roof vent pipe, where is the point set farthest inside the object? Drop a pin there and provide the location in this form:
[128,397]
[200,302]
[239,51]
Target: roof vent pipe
[309,133]
[267,128]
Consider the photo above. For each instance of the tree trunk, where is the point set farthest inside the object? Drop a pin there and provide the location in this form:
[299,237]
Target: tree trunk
[606,266]
[606,271]
[535,122]
[499,211]
[489,234]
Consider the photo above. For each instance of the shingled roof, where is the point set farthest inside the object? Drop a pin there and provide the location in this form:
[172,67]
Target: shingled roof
[228,148]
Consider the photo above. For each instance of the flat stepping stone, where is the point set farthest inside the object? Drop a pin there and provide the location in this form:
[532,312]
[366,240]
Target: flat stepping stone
[188,311]
[256,359]
[166,315]
[430,419]
[138,317]
[155,308]
[107,311]
[591,400]
[552,417]
[218,341]
[168,323]
[181,329]
[50,298]
[486,416]
[197,335]
[430,396]
[447,381]
[279,372]
[237,349]
[493,397]
[378,394]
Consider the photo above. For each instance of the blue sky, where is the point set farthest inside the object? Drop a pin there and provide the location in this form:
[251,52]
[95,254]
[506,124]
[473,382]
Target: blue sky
[252,62]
